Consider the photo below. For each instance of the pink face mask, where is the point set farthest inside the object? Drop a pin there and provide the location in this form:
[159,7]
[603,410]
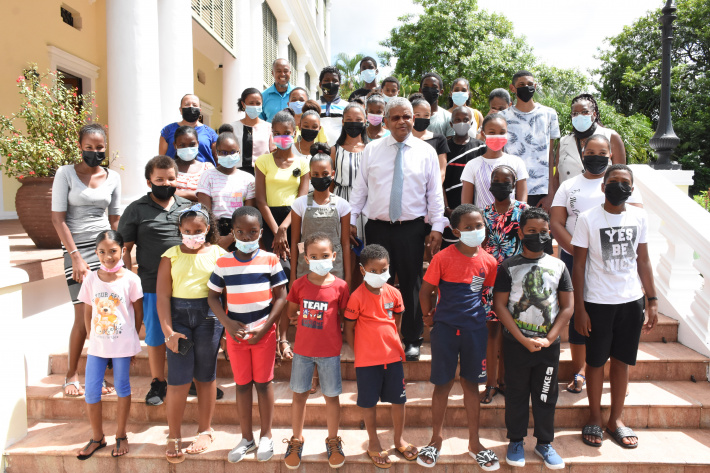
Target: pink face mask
[374,119]
[283,141]
[496,142]
[118,266]
[193,242]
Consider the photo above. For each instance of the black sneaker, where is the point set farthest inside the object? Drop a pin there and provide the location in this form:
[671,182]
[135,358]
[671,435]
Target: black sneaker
[193,391]
[157,392]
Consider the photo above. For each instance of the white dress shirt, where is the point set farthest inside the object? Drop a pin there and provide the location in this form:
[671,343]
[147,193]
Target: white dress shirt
[422,195]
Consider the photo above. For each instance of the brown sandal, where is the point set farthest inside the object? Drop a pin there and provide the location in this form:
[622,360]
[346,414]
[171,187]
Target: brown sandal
[180,457]
[411,449]
[383,454]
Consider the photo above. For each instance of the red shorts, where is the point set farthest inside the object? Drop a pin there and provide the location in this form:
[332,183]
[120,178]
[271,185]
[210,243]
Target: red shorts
[253,362]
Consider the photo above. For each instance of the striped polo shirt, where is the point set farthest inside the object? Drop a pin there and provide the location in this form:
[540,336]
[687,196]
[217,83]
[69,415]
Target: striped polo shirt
[248,284]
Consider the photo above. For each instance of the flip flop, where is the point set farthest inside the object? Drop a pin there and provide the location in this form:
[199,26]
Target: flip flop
[429,452]
[584,383]
[101,443]
[118,445]
[486,456]
[76,384]
[488,397]
[594,431]
[382,454]
[620,434]
[411,449]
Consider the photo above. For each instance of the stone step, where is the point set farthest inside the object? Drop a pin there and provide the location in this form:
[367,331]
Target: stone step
[51,446]
[656,361]
[653,404]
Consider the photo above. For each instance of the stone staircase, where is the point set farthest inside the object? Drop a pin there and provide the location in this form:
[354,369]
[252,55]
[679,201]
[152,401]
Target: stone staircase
[668,406]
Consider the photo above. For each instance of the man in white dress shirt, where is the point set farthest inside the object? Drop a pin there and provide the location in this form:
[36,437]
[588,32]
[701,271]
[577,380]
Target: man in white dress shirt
[397,187]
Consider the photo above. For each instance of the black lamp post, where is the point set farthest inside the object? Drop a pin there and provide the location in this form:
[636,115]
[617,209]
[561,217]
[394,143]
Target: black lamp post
[665,141]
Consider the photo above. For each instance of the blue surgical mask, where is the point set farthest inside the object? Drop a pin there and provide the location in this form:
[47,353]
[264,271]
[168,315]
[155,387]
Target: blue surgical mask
[387,98]
[187,154]
[377,280]
[581,123]
[247,246]
[320,266]
[253,111]
[229,161]
[473,238]
[296,106]
[368,75]
[459,98]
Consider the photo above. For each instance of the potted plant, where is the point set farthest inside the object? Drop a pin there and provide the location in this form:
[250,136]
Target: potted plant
[38,139]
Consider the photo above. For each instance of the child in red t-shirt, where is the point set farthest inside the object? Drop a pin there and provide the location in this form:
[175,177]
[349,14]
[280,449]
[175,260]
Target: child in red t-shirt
[321,299]
[372,321]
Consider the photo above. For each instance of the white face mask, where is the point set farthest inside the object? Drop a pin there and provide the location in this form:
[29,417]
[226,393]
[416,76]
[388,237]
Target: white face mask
[320,266]
[377,280]
[188,154]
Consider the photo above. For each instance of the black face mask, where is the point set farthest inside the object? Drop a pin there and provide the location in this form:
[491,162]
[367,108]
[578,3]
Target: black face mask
[190,114]
[431,94]
[617,192]
[321,183]
[525,93]
[93,158]
[501,190]
[162,192]
[421,124]
[595,164]
[330,88]
[536,242]
[353,129]
[309,135]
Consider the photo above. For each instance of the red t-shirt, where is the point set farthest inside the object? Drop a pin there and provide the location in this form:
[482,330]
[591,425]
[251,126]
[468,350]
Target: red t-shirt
[318,329]
[376,338]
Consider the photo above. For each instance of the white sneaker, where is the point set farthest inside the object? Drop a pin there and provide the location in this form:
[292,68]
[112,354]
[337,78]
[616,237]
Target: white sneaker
[266,449]
[239,452]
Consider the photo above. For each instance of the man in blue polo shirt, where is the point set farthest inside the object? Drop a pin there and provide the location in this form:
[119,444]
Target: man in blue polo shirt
[276,96]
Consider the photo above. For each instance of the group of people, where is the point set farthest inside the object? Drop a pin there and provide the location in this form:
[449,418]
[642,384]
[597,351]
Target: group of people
[321,214]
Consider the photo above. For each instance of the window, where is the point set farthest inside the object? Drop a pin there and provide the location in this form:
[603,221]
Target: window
[271,41]
[218,17]
[67,16]
[293,60]
[70,16]
[307,80]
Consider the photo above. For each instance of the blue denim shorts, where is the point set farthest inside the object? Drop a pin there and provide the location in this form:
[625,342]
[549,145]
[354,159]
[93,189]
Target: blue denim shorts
[194,319]
[331,383]
[153,332]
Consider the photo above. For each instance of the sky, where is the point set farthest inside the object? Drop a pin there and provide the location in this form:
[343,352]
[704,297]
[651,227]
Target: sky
[562,33]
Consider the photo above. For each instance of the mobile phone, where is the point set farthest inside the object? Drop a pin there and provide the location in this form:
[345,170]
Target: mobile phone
[184,346]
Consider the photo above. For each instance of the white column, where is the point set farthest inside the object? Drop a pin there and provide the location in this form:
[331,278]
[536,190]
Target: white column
[175,46]
[256,78]
[133,76]
[326,42]
[303,60]
[285,29]
[231,90]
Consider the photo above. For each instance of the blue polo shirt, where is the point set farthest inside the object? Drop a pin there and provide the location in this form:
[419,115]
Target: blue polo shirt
[274,102]
[205,137]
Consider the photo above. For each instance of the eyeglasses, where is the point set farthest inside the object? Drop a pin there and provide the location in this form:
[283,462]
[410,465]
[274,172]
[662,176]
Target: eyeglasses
[396,118]
[584,112]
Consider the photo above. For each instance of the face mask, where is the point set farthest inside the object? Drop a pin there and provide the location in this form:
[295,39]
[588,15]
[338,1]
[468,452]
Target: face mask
[375,120]
[431,94]
[193,242]
[459,98]
[496,142]
[421,124]
[297,106]
[387,98]
[190,114]
[617,192]
[353,129]
[309,135]
[320,266]
[377,280]
[330,88]
[115,269]
[501,190]
[247,246]
[283,141]
[368,75]
[253,111]
[229,161]
[525,93]
[162,192]
[595,164]
[462,128]
[321,183]
[187,154]
[535,242]
[93,158]
[473,238]
[582,122]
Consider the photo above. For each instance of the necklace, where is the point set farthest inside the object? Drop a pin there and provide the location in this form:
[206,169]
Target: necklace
[623,222]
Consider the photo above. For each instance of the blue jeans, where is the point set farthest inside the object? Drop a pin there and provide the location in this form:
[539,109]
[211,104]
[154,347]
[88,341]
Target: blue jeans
[328,374]
[194,319]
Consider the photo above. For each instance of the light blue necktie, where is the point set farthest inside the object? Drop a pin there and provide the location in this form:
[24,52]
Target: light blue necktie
[397,184]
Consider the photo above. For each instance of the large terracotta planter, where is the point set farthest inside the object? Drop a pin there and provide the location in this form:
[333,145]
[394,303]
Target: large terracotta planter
[33,203]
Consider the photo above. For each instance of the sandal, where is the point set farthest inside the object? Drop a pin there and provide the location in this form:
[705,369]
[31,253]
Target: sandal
[501,389]
[76,384]
[621,433]
[382,454]
[576,378]
[179,458]
[596,432]
[118,445]
[314,385]
[101,443]
[429,452]
[411,449]
[105,386]
[191,451]
[487,396]
[486,456]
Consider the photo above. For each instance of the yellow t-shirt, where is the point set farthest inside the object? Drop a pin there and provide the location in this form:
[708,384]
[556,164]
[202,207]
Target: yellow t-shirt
[190,273]
[282,184]
[320,138]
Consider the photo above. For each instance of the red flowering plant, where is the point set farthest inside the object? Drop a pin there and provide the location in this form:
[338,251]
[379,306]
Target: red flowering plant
[49,119]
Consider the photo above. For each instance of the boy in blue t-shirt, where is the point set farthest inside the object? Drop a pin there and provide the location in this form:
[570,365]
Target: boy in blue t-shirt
[462,273]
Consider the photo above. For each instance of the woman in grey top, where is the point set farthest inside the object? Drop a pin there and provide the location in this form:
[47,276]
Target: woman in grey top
[81,194]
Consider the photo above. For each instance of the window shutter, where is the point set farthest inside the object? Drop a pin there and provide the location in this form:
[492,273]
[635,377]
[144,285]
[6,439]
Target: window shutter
[271,41]
[293,60]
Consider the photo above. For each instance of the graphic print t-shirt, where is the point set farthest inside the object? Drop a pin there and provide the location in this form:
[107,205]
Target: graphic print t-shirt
[113,322]
[461,280]
[533,286]
[612,241]
[318,329]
